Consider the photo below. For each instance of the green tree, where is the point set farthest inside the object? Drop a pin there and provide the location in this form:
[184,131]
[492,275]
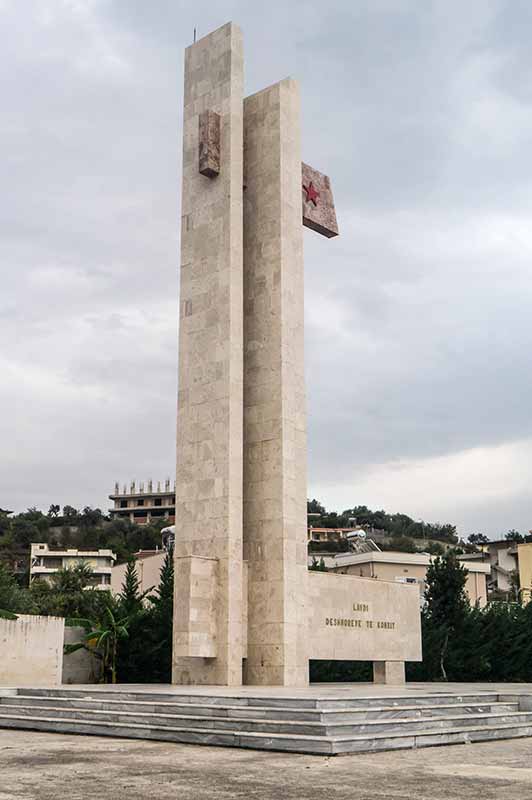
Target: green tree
[5,522]
[514,536]
[315,507]
[30,526]
[134,658]
[70,513]
[435,549]
[447,605]
[13,599]
[130,597]
[163,613]
[69,594]
[477,538]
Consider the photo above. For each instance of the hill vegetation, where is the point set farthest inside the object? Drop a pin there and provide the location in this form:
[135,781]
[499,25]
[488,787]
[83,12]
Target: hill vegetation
[395,525]
[85,529]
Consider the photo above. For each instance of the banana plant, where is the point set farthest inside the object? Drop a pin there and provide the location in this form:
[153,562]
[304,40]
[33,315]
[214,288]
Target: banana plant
[101,639]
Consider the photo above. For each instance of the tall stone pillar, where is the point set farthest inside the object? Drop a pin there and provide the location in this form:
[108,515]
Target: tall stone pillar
[208,546]
[275,537]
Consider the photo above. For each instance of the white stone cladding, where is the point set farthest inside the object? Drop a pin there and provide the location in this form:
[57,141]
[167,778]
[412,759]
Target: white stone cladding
[275,513]
[210,410]
[246,608]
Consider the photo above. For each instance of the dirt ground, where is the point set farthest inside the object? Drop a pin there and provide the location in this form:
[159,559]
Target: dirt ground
[47,765]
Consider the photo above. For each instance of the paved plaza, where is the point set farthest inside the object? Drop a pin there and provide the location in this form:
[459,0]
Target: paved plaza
[43,766]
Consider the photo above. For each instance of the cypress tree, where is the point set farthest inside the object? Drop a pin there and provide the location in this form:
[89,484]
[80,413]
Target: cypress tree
[134,664]
[130,598]
[162,620]
[446,611]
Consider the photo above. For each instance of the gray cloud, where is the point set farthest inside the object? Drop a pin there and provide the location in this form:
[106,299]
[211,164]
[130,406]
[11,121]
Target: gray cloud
[418,336]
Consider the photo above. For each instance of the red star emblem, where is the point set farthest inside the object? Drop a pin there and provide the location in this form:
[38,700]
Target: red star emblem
[312,193]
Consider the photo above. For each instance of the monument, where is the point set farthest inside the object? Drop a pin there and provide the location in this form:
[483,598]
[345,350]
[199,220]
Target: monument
[246,608]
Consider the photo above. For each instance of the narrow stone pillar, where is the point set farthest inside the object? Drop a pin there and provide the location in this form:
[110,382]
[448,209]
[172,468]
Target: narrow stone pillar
[210,406]
[275,536]
[389,672]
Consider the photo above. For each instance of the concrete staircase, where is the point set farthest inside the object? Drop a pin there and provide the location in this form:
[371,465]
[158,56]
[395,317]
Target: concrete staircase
[317,725]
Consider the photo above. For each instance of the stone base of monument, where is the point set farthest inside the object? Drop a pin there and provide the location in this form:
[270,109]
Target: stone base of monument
[318,721]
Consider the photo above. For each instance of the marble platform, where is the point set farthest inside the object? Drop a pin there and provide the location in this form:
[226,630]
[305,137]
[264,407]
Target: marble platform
[323,719]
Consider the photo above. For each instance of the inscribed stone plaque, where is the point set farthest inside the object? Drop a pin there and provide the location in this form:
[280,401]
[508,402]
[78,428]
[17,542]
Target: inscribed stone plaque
[358,619]
[318,203]
[209,143]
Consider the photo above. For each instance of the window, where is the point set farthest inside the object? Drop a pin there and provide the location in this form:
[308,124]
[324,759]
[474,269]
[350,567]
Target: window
[140,501]
[158,501]
[52,563]
[123,504]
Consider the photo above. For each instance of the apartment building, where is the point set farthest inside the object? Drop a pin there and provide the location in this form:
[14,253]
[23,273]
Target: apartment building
[46,560]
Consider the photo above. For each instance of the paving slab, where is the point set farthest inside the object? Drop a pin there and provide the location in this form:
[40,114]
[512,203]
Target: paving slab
[322,690]
[45,766]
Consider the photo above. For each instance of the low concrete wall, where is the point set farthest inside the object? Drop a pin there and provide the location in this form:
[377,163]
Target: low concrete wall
[31,651]
[81,666]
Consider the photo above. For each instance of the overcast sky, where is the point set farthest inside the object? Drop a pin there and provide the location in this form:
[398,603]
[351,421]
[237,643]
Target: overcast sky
[418,317]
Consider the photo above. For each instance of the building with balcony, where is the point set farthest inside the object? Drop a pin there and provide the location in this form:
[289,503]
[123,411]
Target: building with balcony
[511,567]
[46,560]
[315,534]
[406,568]
[144,504]
[335,540]
[502,555]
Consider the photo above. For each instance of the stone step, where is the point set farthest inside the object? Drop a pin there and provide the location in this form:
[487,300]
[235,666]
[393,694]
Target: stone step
[252,712]
[272,741]
[402,725]
[324,703]
[412,700]
[384,741]
[205,736]
[296,727]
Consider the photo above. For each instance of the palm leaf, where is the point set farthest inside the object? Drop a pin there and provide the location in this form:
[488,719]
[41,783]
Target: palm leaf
[110,615]
[103,636]
[73,648]
[4,614]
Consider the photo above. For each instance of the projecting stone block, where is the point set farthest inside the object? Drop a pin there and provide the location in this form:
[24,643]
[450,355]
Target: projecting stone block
[318,204]
[195,620]
[209,143]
